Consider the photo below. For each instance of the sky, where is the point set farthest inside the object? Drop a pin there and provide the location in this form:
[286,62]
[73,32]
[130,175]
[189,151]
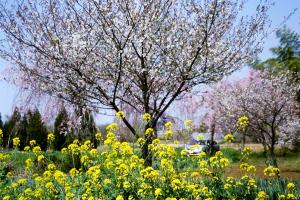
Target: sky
[277,14]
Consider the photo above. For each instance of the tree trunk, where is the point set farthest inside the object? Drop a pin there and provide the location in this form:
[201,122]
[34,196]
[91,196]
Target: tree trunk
[146,153]
[265,149]
[272,149]
[212,135]
[243,139]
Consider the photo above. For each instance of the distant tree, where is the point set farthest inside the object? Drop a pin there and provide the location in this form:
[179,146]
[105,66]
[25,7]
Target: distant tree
[1,122]
[61,129]
[87,129]
[286,57]
[1,128]
[268,102]
[11,128]
[36,129]
[22,131]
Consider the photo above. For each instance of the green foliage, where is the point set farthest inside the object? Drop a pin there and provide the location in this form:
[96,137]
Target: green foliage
[1,122]
[36,129]
[286,56]
[88,129]
[233,154]
[61,130]
[278,187]
[22,132]
[10,128]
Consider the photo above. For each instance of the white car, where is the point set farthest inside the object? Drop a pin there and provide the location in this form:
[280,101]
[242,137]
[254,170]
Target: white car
[195,149]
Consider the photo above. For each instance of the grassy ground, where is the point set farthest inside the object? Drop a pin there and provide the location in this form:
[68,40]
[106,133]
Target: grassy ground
[288,163]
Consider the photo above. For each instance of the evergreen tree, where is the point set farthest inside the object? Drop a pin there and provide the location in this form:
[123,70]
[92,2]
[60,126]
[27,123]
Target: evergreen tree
[1,128]
[61,129]
[22,131]
[88,127]
[1,122]
[11,127]
[36,129]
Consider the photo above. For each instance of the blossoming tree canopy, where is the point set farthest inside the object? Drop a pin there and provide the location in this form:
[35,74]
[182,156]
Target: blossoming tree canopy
[268,102]
[145,54]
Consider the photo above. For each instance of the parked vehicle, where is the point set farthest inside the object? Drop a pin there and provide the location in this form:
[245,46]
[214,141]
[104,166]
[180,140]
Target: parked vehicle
[198,145]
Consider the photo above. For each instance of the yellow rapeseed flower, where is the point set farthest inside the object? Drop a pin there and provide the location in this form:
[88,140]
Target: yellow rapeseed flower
[188,124]
[120,114]
[168,134]
[169,125]
[271,171]
[113,127]
[50,186]
[147,117]
[28,164]
[51,167]
[73,172]
[126,185]
[32,142]
[228,137]
[158,192]
[176,184]
[16,142]
[40,158]
[36,149]
[243,122]
[149,132]
[98,136]
[7,197]
[120,197]
[107,181]
[27,148]
[141,141]
[247,150]
[291,196]
[261,196]
[291,186]
[51,137]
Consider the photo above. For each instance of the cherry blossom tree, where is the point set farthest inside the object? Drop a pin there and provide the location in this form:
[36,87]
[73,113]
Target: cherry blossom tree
[268,102]
[146,54]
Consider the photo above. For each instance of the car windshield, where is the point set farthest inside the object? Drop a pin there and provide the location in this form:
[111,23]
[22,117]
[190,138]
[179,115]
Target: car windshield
[200,142]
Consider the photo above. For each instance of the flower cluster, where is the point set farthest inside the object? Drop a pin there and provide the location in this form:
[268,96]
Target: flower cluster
[98,136]
[228,137]
[188,124]
[51,137]
[16,142]
[118,172]
[147,117]
[120,114]
[169,132]
[271,171]
[243,122]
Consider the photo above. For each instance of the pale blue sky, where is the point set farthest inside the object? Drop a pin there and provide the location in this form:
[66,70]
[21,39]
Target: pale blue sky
[277,14]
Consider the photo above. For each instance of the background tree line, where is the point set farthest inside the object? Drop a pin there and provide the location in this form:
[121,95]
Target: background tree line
[30,126]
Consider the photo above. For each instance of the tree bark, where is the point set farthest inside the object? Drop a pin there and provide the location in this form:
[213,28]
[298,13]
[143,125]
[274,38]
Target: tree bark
[146,153]
[212,135]
[272,149]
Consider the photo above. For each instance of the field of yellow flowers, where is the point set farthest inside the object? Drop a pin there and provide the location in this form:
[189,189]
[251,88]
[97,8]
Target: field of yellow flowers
[117,171]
